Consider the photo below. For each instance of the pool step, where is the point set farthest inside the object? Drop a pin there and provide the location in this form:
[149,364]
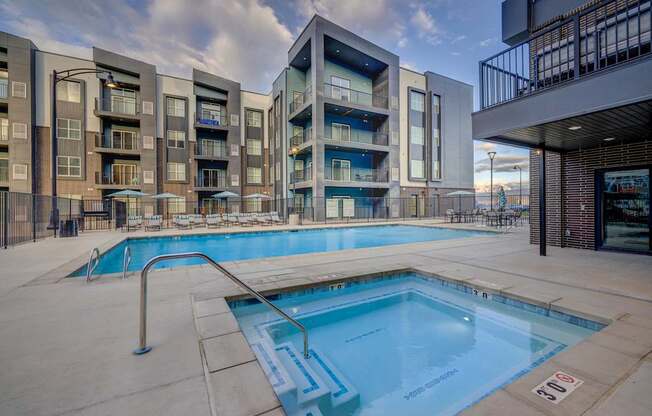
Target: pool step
[343,394]
[310,388]
[275,372]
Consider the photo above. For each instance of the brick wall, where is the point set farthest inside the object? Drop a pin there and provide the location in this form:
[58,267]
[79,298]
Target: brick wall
[571,200]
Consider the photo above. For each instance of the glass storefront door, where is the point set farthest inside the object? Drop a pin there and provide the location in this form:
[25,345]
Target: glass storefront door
[626,209]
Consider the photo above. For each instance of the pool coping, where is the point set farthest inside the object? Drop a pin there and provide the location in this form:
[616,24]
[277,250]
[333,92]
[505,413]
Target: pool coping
[64,271]
[515,390]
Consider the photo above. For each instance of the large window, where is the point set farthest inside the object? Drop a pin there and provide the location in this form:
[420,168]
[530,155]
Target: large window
[254,118]
[416,135]
[254,175]
[418,145]
[254,147]
[123,101]
[176,171]
[124,139]
[417,100]
[176,139]
[416,168]
[68,129]
[4,129]
[176,107]
[211,113]
[176,206]
[341,170]
[340,88]
[436,137]
[341,132]
[69,166]
[69,91]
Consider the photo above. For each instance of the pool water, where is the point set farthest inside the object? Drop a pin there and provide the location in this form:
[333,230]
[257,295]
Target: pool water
[242,246]
[405,345]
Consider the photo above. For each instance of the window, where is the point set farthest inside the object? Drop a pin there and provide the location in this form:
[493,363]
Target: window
[124,174]
[254,119]
[341,132]
[176,139]
[19,89]
[254,175]
[69,166]
[416,135]
[123,101]
[341,170]
[176,171]
[212,114]
[4,167]
[436,137]
[417,100]
[121,139]
[176,206]
[4,129]
[277,138]
[68,129]
[254,147]
[69,91]
[176,107]
[20,172]
[340,88]
[254,205]
[416,169]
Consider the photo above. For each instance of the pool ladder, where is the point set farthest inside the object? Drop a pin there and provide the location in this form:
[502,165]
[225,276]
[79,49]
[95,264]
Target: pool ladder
[142,341]
[94,260]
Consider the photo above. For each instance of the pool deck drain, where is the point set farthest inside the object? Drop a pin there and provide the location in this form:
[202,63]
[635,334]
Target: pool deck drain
[66,346]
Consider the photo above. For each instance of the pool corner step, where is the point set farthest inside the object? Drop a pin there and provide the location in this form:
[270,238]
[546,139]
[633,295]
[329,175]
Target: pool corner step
[310,388]
[342,391]
[275,372]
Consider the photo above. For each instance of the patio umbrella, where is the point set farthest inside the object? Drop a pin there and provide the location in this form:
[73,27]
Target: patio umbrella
[128,193]
[225,195]
[166,196]
[459,194]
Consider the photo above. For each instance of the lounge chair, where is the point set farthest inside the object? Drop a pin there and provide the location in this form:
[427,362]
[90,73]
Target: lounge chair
[182,221]
[275,218]
[214,220]
[261,219]
[452,215]
[134,221]
[196,220]
[231,219]
[244,220]
[154,222]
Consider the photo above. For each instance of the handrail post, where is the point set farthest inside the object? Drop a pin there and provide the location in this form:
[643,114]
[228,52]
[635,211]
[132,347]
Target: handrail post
[143,348]
[126,260]
[90,267]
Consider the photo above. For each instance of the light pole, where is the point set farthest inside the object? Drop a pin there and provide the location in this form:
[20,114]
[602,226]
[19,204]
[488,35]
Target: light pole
[294,151]
[520,186]
[58,76]
[491,182]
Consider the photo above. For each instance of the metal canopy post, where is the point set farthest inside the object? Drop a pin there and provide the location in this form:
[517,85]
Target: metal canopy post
[542,201]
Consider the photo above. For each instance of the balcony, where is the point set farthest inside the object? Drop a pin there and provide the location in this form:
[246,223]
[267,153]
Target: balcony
[120,179]
[301,138]
[355,97]
[4,88]
[211,180]
[357,137]
[118,142]
[356,175]
[301,99]
[602,37]
[211,121]
[118,108]
[4,171]
[4,130]
[211,149]
[303,175]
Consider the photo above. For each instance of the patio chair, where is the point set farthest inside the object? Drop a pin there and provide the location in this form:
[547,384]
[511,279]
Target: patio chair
[196,220]
[155,222]
[214,220]
[452,215]
[244,220]
[134,221]
[182,221]
[261,219]
[275,218]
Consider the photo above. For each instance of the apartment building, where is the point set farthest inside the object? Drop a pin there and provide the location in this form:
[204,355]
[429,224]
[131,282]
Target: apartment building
[574,86]
[343,128]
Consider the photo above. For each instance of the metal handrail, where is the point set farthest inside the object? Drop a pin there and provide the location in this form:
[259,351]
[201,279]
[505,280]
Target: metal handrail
[126,259]
[90,267]
[143,348]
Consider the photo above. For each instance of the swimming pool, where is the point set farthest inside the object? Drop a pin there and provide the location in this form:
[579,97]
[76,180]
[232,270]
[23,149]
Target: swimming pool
[242,246]
[399,345]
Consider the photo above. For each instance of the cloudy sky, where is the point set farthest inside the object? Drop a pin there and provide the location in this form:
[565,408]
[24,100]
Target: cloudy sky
[248,40]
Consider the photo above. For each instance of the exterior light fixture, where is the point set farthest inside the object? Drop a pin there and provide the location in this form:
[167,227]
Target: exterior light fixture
[573,128]
[491,155]
[110,82]
[608,139]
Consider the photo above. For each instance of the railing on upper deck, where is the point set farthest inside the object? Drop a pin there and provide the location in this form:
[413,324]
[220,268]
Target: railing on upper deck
[600,37]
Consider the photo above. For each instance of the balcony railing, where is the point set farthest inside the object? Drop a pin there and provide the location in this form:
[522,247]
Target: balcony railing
[215,179]
[211,148]
[4,171]
[4,131]
[211,120]
[301,99]
[356,174]
[118,105]
[354,96]
[301,175]
[117,141]
[4,87]
[358,136]
[118,178]
[600,37]
[301,138]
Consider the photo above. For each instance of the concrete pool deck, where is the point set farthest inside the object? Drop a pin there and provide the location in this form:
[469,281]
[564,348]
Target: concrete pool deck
[66,345]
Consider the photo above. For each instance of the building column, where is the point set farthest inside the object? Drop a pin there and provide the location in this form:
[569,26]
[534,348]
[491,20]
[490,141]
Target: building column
[542,201]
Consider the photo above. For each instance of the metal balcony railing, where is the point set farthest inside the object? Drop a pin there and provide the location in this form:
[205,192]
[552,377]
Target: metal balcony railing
[215,179]
[301,99]
[118,178]
[600,37]
[4,87]
[211,119]
[301,138]
[117,140]
[118,105]
[356,174]
[301,175]
[357,136]
[354,96]
[211,148]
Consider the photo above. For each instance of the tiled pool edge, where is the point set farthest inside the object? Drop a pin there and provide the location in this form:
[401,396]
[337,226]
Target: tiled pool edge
[524,302]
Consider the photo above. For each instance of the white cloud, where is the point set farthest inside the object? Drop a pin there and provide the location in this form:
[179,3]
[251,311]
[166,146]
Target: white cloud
[503,163]
[489,41]
[237,40]
[426,26]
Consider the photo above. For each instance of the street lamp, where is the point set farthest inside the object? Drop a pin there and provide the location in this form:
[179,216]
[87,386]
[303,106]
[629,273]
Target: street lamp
[294,152]
[491,183]
[58,76]
[520,186]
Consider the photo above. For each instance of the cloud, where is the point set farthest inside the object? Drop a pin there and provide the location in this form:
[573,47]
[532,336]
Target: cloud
[426,26]
[485,146]
[503,163]
[242,40]
[489,41]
